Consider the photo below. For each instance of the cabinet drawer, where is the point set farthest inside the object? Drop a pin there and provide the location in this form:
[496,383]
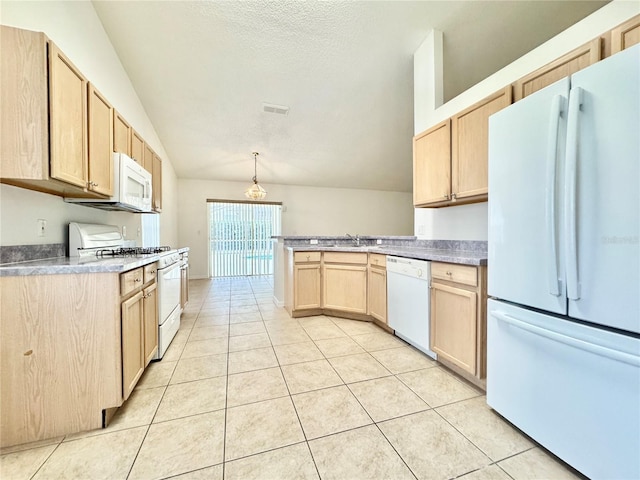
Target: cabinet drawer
[346,257]
[304,257]
[150,272]
[130,281]
[464,274]
[377,260]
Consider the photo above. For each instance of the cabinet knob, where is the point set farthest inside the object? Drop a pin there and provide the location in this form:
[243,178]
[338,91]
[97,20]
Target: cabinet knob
[453,196]
[449,273]
[308,257]
[446,197]
[137,280]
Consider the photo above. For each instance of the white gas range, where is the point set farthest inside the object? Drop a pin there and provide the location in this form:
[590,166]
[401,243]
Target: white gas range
[89,240]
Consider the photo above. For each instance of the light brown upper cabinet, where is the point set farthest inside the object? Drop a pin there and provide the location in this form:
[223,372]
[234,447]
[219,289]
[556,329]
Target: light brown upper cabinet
[432,165]
[137,147]
[625,35]
[564,66]
[470,146]
[100,143]
[156,186]
[147,158]
[44,117]
[121,134]
[68,120]
[450,159]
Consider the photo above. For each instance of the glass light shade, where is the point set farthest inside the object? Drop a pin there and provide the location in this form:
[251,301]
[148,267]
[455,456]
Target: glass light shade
[255,192]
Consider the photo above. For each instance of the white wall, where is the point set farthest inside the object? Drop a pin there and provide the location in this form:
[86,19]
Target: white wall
[76,29]
[307,211]
[464,222]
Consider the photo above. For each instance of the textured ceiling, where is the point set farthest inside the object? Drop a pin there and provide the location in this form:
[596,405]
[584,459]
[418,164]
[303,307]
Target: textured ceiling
[203,69]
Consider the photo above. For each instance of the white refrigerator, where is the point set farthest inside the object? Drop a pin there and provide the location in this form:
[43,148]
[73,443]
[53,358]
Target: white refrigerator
[563,319]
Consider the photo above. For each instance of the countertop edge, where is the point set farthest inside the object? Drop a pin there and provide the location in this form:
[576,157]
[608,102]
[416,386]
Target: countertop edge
[453,256]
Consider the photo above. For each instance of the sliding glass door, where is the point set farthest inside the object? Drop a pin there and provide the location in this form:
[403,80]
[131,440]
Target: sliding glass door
[240,237]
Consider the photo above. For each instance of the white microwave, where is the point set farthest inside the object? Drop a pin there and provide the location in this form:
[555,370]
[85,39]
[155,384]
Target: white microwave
[131,188]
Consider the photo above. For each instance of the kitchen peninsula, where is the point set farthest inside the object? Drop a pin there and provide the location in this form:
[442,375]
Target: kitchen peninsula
[347,277]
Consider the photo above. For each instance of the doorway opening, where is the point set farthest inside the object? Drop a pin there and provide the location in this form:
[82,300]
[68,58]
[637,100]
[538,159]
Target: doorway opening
[240,233]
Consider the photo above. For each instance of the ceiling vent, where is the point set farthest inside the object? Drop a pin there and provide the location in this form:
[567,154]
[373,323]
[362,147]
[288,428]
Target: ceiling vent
[279,109]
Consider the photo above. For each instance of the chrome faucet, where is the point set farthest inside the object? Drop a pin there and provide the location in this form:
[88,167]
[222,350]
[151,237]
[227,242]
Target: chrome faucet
[355,240]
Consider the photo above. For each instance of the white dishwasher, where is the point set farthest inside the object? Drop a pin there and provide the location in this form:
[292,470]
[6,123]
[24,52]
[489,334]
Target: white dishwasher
[408,300]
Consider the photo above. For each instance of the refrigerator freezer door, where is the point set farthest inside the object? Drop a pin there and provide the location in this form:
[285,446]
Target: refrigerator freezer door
[573,388]
[605,286]
[526,152]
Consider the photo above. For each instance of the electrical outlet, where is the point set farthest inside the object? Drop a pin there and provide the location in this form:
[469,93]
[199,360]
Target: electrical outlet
[124,231]
[139,232]
[313,241]
[42,227]
[379,241]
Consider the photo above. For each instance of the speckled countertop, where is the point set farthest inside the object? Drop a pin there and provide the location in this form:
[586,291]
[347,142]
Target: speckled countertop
[68,265]
[65,265]
[450,251]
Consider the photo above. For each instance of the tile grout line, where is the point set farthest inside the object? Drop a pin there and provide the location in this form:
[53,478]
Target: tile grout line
[226,393]
[304,434]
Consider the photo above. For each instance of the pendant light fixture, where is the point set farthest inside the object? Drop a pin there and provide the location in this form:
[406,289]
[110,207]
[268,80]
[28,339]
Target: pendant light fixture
[255,191]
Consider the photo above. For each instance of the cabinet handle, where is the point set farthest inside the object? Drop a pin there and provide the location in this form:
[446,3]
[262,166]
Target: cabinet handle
[446,197]
[453,196]
[152,271]
[449,273]
[137,280]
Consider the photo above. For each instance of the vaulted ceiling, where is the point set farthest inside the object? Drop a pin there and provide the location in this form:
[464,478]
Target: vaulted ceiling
[345,69]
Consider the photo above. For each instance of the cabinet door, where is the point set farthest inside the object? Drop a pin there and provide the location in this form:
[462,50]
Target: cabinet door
[378,294]
[150,296]
[625,35]
[453,325]
[24,116]
[68,120]
[432,165]
[147,161]
[470,145]
[156,187]
[564,66]
[306,288]
[100,143]
[345,288]
[132,343]
[137,147]
[121,134]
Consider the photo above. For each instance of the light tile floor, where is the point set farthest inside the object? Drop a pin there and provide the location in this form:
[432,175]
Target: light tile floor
[246,392]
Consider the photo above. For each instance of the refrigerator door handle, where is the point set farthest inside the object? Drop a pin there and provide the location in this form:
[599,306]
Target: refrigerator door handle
[570,208]
[594,348]
[550,194]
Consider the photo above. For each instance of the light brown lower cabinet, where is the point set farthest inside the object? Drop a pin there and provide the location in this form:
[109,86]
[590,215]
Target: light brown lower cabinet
[72,349]
[139,324]
[347,284]
[377,287]
[307,286]
[345,287]
[60,353]
[458,325]
[132,343]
